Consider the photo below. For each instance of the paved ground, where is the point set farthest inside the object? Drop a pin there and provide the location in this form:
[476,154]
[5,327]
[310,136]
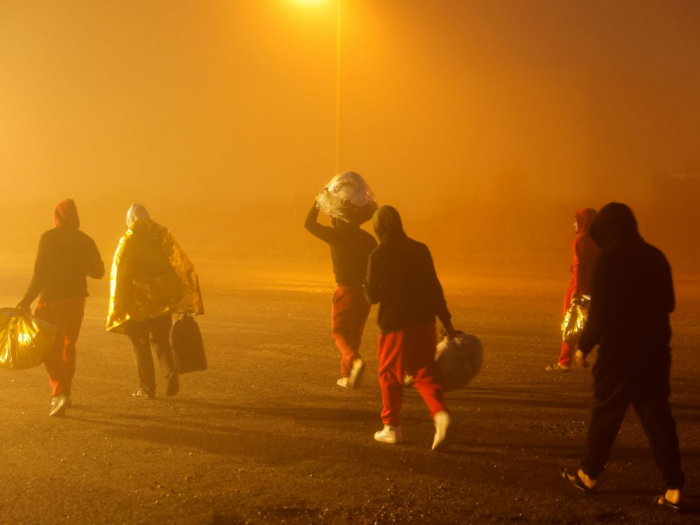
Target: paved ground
[265,436]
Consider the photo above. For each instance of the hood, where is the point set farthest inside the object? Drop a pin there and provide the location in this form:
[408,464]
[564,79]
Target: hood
[387,224]
[615,222]
[65,214]
[135,213]
[584,219]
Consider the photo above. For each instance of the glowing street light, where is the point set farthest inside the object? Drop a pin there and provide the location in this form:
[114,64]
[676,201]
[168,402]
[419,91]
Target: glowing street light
[337,76]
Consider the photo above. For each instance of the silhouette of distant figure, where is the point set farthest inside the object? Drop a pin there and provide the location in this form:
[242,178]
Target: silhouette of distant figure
[632,299]
[402,279]
[66,256]
[585,252]
[350,248]
[151,280]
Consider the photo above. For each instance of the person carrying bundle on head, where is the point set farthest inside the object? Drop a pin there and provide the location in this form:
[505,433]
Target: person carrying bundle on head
[350,247]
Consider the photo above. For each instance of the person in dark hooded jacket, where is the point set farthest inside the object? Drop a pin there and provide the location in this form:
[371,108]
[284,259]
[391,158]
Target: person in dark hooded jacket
[585,252]
[401,277]
[66,256]
[631,301]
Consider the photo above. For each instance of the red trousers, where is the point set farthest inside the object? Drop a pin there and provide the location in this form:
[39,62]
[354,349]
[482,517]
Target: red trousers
[349,314]
[67,316]
[410,351]
[567,350]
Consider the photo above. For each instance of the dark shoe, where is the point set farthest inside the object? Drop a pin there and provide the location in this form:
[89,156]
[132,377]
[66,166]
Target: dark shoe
[572,477]
[173,385]
[663,502]
[142,394]
[58,406]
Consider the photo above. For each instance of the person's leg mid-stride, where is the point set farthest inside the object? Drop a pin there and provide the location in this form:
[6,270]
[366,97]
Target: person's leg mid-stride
[348,318]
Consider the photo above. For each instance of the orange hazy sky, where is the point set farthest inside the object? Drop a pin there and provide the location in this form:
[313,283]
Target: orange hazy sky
[486,122]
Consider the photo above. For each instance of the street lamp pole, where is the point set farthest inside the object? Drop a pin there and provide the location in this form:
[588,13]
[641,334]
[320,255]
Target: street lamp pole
[337,89]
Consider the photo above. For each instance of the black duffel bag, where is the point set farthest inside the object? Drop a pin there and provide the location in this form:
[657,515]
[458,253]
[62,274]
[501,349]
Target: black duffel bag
[188,347]
[458,361]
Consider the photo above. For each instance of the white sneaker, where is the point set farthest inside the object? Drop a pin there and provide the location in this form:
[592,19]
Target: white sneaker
[344,382]
[58,405]
[358,369]
[389,435]
[408,380]
[442,422]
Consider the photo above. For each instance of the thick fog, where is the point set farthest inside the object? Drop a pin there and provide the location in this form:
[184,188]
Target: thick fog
[486,123]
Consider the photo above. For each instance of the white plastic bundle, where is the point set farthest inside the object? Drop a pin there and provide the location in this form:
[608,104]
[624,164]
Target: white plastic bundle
[458,360]
[347,197]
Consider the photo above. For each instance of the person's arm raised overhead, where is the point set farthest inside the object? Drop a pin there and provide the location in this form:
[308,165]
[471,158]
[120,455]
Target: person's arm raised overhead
[325,233]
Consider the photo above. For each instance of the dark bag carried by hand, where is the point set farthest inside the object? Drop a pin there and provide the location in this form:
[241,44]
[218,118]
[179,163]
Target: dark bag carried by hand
[188,347]
[458,360]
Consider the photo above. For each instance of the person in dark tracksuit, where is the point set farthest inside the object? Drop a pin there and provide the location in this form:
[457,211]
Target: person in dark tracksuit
[350,248]
[401,277]
[66,256]
[631,300]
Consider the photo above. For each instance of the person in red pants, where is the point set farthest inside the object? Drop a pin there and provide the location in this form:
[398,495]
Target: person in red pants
[350,248]
[66,256]
[585,253]
[401,277]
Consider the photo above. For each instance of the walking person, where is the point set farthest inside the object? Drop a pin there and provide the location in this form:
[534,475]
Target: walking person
[151,280]
[585,252]
[65,258]
[401,277]
[350,248]
[632,299]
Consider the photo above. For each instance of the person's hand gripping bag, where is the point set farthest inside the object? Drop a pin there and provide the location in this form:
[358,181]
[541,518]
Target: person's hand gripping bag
[458,360]
[24,340]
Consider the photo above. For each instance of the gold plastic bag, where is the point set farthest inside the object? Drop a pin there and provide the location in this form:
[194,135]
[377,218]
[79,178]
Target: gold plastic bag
[575,318]
[24,340]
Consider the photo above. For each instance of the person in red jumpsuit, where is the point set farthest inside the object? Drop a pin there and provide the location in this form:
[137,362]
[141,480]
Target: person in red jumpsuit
[66,256]
[585,253]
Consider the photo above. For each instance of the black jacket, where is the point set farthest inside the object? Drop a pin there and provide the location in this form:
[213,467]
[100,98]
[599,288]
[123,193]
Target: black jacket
[66,256]
[350,249]
[632,297]
[401,277]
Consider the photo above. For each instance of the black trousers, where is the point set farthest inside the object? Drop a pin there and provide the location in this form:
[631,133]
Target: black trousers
[144,335]
[648,392]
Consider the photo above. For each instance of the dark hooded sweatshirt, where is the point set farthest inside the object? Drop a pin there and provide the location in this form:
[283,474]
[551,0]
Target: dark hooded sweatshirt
[585,252]
[66,256]
[350,247]
[632,298]
[401,277]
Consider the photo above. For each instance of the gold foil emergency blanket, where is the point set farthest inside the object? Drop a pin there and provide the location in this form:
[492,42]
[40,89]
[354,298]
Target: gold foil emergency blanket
[575,318]
[24,340]
[151,276]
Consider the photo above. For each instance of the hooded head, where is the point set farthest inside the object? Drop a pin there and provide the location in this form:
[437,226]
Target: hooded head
[615,222]
[387,224]
[65,215]
[584,219]
[136,213]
